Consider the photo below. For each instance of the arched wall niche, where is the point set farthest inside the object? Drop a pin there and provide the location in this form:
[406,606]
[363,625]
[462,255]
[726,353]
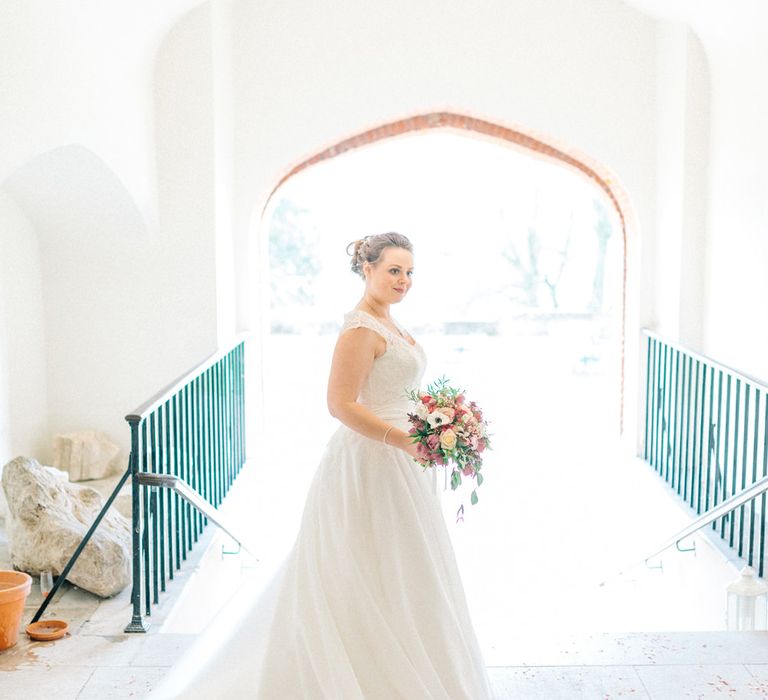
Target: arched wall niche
[94,276]
[71,190]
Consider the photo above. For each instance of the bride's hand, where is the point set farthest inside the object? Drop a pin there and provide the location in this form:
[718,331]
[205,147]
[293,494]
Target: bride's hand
[405,444]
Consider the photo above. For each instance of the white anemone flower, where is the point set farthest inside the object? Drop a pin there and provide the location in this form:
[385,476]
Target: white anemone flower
[437,418]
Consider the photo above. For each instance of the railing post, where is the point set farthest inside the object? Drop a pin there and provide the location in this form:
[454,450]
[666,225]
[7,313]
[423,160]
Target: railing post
[137,623]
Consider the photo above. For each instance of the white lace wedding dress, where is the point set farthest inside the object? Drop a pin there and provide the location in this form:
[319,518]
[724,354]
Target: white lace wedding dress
[369,604]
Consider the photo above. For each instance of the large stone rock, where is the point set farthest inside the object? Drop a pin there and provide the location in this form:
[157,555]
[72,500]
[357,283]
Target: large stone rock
[63,476]
[47,518]
[85,455]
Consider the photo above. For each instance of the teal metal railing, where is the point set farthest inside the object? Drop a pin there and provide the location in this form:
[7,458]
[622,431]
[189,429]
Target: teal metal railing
[706,434]
[194,429]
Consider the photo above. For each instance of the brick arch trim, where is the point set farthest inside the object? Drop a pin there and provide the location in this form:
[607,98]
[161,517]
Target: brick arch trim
[450,120]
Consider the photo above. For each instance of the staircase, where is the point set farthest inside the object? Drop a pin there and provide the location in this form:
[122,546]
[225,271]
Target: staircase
[99,661]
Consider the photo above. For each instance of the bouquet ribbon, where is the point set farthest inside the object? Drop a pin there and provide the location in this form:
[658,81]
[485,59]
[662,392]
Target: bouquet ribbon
[434,480]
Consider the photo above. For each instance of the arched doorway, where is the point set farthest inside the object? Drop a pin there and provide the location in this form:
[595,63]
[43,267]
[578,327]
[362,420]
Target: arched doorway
[549,471]
[523,139]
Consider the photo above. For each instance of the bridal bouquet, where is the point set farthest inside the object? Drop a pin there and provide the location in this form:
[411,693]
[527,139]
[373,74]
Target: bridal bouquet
[450,432]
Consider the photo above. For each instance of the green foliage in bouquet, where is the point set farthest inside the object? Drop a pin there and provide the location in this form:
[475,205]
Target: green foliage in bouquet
[449,430]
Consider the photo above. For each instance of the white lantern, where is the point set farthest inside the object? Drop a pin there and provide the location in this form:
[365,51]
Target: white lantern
[747,603]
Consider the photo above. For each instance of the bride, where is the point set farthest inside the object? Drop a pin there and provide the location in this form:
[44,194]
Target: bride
[369,603]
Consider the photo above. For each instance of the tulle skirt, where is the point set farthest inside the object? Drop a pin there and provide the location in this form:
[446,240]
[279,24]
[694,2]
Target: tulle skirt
[369,603]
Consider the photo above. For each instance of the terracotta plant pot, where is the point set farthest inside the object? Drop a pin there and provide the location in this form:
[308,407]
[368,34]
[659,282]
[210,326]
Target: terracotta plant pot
[14,589]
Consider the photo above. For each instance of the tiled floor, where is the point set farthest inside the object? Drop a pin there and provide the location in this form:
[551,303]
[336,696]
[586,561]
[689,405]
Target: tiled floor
[666,682]
[83,666]
[640,665]
[96,659]
[661,666]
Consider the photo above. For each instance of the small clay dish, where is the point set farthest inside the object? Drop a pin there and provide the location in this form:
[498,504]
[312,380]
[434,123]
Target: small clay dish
[47,630]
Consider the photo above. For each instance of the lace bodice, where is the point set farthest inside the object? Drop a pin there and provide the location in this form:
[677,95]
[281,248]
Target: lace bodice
[398,370]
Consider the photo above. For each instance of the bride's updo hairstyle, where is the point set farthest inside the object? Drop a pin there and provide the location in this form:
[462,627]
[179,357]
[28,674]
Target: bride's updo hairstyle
[370,249]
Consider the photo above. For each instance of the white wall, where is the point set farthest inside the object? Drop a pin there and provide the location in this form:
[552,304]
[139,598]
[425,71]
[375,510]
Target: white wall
[670,173]
[737,241]
[725,220]
[106,172]
[222,29]
[692,271]
[23,398]
[184,102]
[682,119]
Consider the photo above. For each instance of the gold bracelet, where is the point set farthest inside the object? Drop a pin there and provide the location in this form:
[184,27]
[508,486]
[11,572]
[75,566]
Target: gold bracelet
[384,439]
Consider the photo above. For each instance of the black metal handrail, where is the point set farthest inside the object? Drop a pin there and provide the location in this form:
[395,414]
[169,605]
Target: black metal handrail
[193,429]
[706,434]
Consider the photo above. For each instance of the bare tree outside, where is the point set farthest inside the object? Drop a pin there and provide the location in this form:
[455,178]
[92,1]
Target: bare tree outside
[603,231]
[294,262]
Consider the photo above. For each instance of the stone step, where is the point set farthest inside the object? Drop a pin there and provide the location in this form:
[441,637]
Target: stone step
[658,665]
[637,648]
